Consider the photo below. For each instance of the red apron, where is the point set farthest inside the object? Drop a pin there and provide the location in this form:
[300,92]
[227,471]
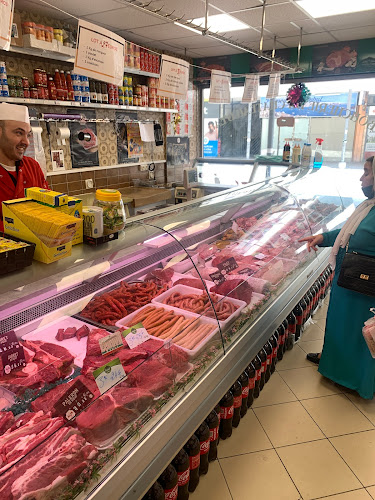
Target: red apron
[29,175]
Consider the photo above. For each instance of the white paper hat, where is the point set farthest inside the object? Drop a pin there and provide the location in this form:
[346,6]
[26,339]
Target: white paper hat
[14,112]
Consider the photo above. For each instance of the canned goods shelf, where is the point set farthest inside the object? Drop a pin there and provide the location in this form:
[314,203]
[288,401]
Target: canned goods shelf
[45,102]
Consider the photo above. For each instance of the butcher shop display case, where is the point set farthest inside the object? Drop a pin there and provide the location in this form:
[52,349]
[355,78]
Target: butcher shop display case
[108,366]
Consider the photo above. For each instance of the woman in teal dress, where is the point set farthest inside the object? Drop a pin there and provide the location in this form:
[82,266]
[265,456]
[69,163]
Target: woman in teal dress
[345,358]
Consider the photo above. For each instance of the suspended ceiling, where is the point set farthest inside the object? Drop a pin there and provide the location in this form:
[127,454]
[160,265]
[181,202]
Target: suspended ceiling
[284,18]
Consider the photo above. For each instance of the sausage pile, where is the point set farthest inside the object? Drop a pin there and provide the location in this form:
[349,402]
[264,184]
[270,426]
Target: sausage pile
[109,307]
[168,325]
[200,304]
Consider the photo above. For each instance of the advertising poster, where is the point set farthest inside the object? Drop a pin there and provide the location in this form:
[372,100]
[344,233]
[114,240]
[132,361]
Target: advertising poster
[335,58]
[178,150]
[100,53]
[370,138]
[174,78]
[135,144]
[6,19]
[211,138]
[84,141]
[220,87]
[207,64]
[122,135]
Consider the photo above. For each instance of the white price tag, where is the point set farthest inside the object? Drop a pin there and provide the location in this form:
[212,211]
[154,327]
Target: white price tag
[109,375]
[260,256]
[135,335]
[235,227]
[284,236]
[110,343]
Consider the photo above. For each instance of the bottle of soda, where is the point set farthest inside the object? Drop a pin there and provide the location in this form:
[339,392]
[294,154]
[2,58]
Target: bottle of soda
[311,303]
[298,313]
[251,371]
[263,357]
[218,411]
[236,390]
[182,466]
[268,348]
[274,344]
[226,415]
[304,312]
[280,350]
[258,369]
[156,492]
[192,448]
[292,323]
[286,326]
[203,434]
[313,293]
[244,380]
[213,421]
[321,288]
[168,479]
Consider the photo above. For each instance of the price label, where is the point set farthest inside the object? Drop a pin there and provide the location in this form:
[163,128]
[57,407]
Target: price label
[217,277]
[135,335]
[12,354]
[285,237]
[247,271]
[260,256]
[111,343]
[109,375]
[227,265]
[74,400]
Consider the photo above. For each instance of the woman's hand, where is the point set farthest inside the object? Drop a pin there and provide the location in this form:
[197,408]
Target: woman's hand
[313,241]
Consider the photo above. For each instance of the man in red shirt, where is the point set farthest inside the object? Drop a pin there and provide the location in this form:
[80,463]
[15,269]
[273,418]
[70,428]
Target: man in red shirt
[17,171]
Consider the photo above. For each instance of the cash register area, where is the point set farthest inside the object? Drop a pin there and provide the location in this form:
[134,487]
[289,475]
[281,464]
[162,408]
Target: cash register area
[303,438]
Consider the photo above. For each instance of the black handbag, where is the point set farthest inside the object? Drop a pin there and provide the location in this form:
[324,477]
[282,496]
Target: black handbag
[358,273]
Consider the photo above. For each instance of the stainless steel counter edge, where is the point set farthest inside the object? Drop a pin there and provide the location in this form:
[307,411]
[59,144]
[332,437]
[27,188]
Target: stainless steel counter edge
[132,477]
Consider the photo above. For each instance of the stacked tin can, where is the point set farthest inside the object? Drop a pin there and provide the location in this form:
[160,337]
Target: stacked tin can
[81,87]
[125,92]
[4,89]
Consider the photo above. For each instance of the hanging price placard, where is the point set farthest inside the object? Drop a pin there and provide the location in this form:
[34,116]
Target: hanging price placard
[100,53]
[174,78]
[273,86]
[6,19]
[250,92]
[220,87]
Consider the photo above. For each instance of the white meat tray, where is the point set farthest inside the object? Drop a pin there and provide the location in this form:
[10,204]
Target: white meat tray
[186,290]
[192,353]
[48,332]
[180,266]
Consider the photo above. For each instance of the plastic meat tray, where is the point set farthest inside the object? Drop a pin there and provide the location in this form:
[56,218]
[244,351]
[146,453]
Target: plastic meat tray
[126,322]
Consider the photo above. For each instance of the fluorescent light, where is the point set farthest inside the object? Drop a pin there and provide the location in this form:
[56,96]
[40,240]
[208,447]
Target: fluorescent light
[221,23]
[322,8]
[187,27]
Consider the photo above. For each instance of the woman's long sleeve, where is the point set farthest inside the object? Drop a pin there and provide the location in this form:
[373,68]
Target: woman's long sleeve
[329,238]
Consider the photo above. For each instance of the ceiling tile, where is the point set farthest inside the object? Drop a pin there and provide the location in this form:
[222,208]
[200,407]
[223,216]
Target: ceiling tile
[274,14]
[190,10]
[124,18]
[133,37]
[234,5]
[318,38]
[193,42]
[221,50]
[283,29]
[41,9]
[71,6]
[309,26]
[163,31]
[349,20]
[354,33]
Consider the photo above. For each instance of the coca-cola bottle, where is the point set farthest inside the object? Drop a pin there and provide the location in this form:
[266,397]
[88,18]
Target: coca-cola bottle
[321,288]
[182,466]
[286,326]
[244,380]
[304,309]
[251,371]
[156,492]
[280,350]
[236,390]
[275,344]
[298,313]
[226,415]
[168,479]
[218,411]
[311,302]
[203,434]
[292,322]
[258,369]
[314,296]
[213,421]
[193,449]
[268,348]
[263,357]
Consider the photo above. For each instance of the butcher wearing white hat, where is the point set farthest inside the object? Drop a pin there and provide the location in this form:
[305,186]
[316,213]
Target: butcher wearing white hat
[17,171]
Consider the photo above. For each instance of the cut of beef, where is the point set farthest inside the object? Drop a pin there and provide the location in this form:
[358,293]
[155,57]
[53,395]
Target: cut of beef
[171,356]
[6,421]
[93,346]
[127,357]
[152,375]
[237,289]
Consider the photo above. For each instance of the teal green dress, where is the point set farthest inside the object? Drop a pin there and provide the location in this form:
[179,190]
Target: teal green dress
[346,358]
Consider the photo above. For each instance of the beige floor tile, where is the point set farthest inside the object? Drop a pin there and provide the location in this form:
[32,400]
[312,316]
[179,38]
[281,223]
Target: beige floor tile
[260,473]
[311,346]
[350,495]
[336,415]
[314,332]
[358,451]
[288,423]
[308,383]
[321,323]
[296,358]
[366,406]
[247,437]
[317,469]
[371,491]
[274,392]
[212,485]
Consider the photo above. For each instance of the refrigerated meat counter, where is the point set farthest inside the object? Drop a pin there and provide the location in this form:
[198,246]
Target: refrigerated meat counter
[109,365]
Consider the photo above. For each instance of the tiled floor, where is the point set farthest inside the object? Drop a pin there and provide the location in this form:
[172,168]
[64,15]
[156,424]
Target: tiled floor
[304,438]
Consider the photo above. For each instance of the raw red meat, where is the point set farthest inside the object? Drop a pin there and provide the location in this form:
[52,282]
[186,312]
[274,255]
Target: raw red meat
[6,421]
[171,356]
[152,375]
[82,332]
[93,346]
[60,334]
[111,412]
[127,357]
[49,468]
[237,289]
[195,283]
[47,353]
[160,276]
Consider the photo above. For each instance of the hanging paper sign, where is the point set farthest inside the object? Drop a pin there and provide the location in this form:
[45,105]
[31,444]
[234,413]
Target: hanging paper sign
[220,87]
[273,86]
[250,92]
[6,19]
[174,78]
[109,375]
[100,53]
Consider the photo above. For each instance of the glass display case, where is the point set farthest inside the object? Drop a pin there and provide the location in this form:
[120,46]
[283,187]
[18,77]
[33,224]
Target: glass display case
[109,364]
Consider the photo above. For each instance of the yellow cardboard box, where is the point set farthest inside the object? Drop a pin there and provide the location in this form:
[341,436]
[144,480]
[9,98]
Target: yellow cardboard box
[74,208]
[14,226]
[46,196]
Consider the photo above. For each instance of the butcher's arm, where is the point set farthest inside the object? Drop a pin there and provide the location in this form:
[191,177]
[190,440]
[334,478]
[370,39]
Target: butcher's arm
[329,238]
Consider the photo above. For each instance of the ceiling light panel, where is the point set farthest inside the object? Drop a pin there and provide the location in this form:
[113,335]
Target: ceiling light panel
[324,8]
[221,23]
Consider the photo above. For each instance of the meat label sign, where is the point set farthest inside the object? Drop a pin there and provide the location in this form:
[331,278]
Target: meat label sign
[109,375]
[224,267]
[12,354]
[76,399]
[174,78]
[6,19]
[135,335]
